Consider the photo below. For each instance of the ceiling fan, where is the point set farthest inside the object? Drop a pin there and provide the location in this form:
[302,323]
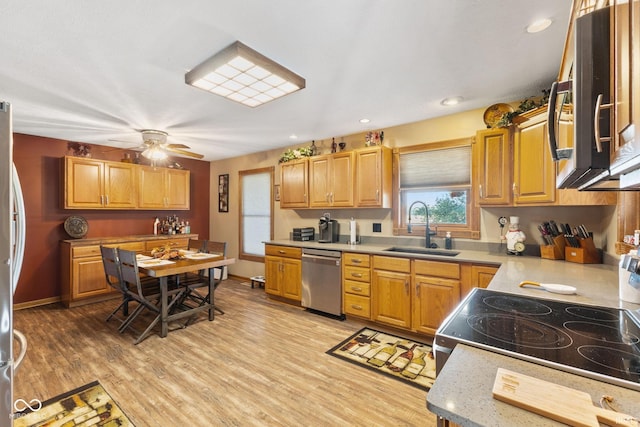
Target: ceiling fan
[156,147]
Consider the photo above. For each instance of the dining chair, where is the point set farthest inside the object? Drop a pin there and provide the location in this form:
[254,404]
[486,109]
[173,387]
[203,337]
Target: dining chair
[113,277]
[147,297]
[194,290]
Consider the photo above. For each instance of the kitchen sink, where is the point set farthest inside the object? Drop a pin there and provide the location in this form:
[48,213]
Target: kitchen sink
[422,251]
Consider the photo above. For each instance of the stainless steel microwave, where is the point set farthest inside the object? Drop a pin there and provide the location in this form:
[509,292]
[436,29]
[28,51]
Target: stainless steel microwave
[583,158]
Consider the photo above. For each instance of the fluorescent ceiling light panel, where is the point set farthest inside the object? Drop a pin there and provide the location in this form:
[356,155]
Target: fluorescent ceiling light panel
[237,67]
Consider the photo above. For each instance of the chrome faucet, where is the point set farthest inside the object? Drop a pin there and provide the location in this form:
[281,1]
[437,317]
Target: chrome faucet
[427,241]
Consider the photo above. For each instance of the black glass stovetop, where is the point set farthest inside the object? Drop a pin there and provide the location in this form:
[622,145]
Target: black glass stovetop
[599,342]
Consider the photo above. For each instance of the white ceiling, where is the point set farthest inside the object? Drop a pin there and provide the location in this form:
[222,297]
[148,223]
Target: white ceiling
[94,71]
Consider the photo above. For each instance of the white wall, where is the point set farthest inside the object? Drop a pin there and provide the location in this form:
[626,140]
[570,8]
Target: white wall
[224,226]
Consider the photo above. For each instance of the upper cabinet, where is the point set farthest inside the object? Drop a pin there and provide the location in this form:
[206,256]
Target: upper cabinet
[493,166]
[358,178]
[95,184]
[374,177]
[331,180]
[514,167]
[162,188]
[294,177]
[99,184]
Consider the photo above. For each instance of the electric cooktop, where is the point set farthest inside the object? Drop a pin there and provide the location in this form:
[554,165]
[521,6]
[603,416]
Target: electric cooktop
[598,342]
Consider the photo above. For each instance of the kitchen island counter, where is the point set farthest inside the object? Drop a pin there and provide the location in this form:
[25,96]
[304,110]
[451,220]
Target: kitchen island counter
[463,393]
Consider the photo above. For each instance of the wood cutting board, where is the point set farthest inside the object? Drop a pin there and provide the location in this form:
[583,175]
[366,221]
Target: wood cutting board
[560,403]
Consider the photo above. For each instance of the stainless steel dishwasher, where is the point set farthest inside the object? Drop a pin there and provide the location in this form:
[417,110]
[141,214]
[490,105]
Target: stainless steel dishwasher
[322,281]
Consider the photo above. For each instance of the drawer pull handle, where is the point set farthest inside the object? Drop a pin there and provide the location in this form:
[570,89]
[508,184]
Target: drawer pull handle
[353,288]
[356,274]
[280,251]
[356,261]
[356,307]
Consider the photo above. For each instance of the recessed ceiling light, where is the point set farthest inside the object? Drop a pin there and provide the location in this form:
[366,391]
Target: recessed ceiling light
[539,25]
[454,100]
[293,136]
[364,120]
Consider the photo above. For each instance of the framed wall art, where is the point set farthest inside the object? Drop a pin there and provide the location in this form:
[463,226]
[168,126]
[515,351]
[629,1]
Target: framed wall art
[223,193]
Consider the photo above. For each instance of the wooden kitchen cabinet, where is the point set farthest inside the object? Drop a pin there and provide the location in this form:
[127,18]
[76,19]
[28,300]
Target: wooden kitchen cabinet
[391,291]
[331,178]
[374,177]
[294,184]
[493,166]
[437,292]
[476,276]
[356,284]
[283,271]
[164,188]
[97,184]
[82,273]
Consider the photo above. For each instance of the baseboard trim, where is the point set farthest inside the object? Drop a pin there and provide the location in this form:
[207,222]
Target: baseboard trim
[36,303]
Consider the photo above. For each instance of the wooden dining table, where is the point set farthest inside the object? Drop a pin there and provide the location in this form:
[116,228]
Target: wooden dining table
[184,265]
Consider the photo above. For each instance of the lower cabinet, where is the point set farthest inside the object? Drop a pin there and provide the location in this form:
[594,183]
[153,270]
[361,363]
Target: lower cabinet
[437,292]
[356,284]
[391,291]
[83,280]
[283,271]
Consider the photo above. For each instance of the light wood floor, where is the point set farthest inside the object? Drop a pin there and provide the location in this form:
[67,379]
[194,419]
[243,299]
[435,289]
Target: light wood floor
[263,363]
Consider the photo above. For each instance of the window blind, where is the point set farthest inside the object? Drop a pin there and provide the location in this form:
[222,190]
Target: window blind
[436,168]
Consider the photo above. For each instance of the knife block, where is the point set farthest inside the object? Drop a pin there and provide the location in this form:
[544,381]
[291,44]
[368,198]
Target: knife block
[555,251]
[587,253]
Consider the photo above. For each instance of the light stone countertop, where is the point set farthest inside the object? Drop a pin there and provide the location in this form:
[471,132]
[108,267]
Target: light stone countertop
[463,392]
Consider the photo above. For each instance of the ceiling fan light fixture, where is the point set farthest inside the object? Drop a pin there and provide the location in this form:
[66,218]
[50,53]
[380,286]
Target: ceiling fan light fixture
[237,67]
[154,153]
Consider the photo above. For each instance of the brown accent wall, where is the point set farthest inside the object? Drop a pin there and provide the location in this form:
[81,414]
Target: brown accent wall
[39,165]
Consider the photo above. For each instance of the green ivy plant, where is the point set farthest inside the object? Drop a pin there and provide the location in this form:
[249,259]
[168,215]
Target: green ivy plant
[294,154]
[527,104]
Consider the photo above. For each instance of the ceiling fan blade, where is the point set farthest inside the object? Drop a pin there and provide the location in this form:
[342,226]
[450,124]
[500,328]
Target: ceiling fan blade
[177,146]
[184,152]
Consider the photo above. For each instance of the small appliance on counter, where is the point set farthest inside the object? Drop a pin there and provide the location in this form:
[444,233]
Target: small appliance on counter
[327,229]
[304,234]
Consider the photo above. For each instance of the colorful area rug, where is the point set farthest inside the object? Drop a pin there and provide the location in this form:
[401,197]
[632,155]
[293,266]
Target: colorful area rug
[401,358]
[89,405]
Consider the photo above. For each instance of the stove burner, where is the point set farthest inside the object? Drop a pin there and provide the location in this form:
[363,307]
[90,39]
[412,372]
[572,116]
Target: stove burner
[612,358]
[515,330]
[602,333]
[593,314]
[516,305]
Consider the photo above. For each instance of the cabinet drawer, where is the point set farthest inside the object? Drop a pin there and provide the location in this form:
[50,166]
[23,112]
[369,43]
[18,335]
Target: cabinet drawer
[85,251]
[357,288]
[392,264]
[131,246]
[449,270]
[357,305]
[359,260]
[283,251]
[180,243]
[357,273]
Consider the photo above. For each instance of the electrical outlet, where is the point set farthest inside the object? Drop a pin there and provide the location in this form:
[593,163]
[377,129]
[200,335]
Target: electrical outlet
[377,227]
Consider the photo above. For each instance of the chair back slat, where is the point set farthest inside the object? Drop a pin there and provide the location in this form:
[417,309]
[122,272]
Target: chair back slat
[216,247]
[129,268]
[196,245]
[111,265]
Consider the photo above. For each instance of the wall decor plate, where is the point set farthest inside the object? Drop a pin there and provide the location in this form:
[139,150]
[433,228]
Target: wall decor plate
[494,113]
[76,226]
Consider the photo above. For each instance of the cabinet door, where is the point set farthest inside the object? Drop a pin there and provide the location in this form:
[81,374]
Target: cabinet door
[435,298]
[272,275]
[494,166]
[84,183]
[534,175]
[151,187]
[120,185]
[293,184]
[292,278]
[342,176]
[373,177]
[177,189]
[88,278]
[391,299]
[319,181]
[481,275]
